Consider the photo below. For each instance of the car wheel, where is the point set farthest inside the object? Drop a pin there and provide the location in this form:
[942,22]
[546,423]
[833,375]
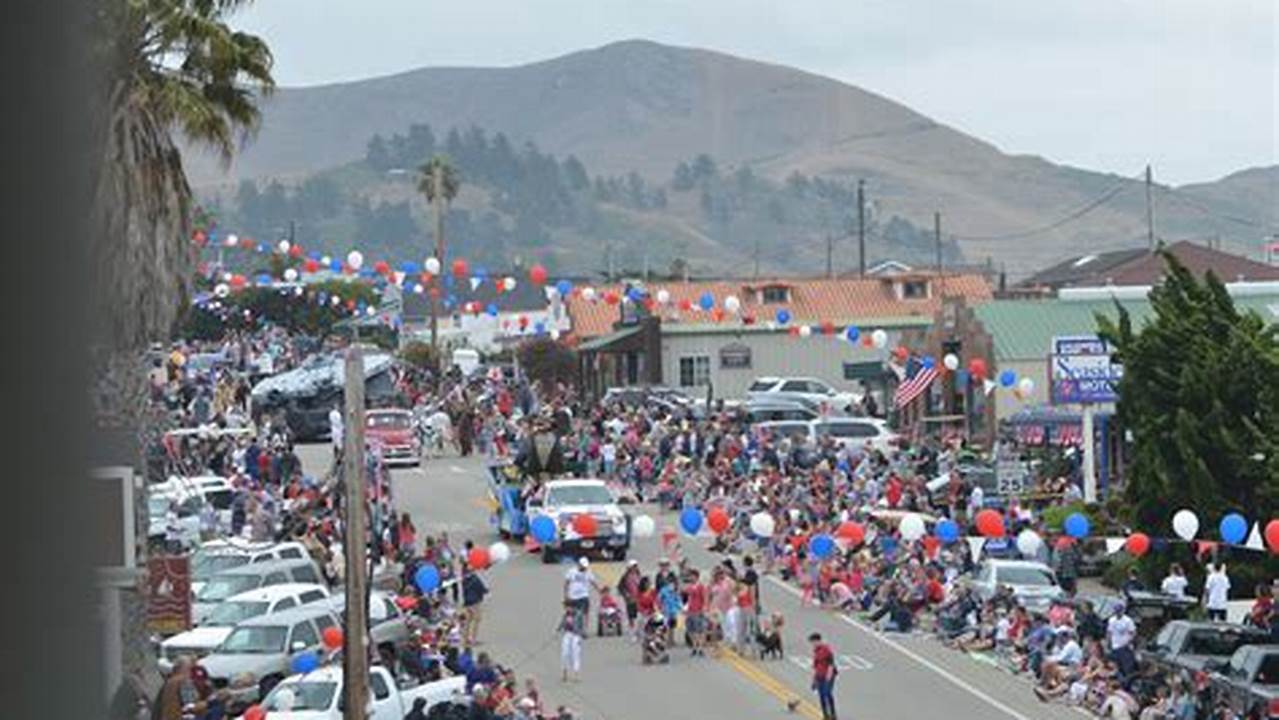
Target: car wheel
[548,555]
[619,555]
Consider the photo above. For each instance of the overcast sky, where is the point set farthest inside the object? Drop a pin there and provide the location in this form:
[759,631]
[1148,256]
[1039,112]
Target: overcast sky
[1191,86]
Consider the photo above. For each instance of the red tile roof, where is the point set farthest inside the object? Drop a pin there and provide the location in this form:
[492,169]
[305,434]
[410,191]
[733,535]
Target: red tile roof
[812,301]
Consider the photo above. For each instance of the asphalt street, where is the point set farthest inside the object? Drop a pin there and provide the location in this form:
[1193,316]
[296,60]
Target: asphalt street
[882,676]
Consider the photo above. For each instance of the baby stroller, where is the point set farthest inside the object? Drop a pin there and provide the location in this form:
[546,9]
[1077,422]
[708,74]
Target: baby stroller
[609,622]
[653,641]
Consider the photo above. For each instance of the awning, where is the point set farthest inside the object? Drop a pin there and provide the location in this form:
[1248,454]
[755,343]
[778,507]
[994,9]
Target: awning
[605,342]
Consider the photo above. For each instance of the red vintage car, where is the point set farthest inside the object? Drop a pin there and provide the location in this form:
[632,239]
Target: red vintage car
[395,434]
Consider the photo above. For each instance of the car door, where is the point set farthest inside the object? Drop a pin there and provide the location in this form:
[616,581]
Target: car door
[386,702]
[306,574]
[283,604]
[303,637]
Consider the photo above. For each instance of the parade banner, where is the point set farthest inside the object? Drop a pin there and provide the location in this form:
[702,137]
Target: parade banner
[168,594]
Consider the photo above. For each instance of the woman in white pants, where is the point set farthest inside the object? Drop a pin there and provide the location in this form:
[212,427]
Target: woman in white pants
[572,628]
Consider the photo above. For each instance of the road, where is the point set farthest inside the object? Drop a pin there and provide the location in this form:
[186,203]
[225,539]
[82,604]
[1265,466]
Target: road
[882,676]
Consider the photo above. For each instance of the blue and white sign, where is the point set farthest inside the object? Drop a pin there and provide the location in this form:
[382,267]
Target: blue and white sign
[1082,371]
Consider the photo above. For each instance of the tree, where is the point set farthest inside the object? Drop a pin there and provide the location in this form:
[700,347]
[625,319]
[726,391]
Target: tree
[547,361]
[575,173]
[704,167]
[439,183]
[1200,394]
[683,179]
[376,154]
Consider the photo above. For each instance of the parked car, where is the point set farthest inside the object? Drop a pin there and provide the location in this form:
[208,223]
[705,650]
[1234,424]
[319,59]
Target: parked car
[317,695]
[1249,680]
[172,523]
[1198,646]
[774,410]
[801,430]
[395,433]
[216,556]
[252,576]
[1033,584]
[857,432]
[202,640]
[803,388]
[264,647]
[388,626]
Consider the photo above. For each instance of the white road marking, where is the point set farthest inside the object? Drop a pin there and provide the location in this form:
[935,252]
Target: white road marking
[956,681]
[457,469]
[843,662]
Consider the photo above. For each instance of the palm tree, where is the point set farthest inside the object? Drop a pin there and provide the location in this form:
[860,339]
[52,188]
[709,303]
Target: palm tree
[439,183]
[175,67]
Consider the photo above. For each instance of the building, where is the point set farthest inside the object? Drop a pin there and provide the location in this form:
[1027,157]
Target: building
[483,318]
[641,341]
[1140,267]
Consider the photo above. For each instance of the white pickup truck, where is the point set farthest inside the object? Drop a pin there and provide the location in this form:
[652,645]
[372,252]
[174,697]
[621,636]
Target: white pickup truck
[565,499]
[317,695]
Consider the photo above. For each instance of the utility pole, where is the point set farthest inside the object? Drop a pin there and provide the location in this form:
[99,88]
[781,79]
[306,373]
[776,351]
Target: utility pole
[1150,213]
[756,257]
[355,659]
[609,251]
[437,205]
[830,251]
[937,238]
[861,228]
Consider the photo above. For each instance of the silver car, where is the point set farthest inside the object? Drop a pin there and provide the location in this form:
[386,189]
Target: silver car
[252,576]
[1033,584]
[261,650]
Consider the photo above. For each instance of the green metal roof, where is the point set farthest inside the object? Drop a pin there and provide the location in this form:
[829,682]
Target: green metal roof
[1024,329]
[735,328]
[603,341]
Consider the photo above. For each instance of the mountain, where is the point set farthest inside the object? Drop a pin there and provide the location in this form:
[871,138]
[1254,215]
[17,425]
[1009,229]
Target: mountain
[644,107]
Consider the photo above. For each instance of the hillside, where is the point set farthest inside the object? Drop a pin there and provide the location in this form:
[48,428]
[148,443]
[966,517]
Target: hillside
[643,107]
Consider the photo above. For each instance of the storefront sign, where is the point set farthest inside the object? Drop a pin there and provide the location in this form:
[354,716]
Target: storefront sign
[1082,372]
[735,356]
[168,594]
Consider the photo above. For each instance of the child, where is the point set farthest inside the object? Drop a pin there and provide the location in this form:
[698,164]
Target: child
[610,614]
[572,628]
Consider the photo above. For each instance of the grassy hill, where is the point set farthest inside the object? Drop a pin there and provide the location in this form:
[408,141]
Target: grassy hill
[643,107]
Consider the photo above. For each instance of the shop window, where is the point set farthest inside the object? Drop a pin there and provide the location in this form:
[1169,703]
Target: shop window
[695,371]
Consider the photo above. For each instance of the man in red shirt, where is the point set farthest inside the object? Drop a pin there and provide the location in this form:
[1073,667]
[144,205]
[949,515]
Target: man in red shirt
[824,673]
[695,615]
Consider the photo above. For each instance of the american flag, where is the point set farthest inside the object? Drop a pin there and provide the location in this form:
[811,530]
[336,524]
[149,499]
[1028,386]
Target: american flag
[918,378]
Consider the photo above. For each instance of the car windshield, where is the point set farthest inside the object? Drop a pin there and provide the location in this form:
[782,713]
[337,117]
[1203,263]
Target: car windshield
[306,696]
[579,495]
[847,430]
[257,639]
[208,565]
[761,385]
[229,614]
[1038,577]
[1216,642]
[221,588]
[388,421]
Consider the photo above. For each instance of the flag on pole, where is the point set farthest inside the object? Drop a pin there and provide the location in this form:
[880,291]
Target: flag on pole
[918,378]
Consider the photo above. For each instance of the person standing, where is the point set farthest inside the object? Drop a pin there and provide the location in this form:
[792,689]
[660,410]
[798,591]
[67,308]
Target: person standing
[578,582]
[1120,632]
[336,430]
[1175,584]
[473,592]
[572,630]
[824,673]
[695,614]
[1216,592]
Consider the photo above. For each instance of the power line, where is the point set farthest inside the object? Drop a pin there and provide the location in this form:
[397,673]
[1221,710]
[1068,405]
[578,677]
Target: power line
[1190,201]
[1102,199]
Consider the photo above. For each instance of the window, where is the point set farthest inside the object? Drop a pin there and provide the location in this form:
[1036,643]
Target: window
[324,622]
[848,430]
[695,371]
[761,386]
[285,604]
[306,574]
[304,632]
[776,294]
[263,558]
[795,386]
[275,578]
[863,370]
[311,596]
[391,611]
[291,553]
[915,289]
[380,690]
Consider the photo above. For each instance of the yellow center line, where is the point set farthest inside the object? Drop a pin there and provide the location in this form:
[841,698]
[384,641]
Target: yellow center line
[770,684]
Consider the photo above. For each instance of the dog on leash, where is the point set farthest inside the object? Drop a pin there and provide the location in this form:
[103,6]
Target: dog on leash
[769,638]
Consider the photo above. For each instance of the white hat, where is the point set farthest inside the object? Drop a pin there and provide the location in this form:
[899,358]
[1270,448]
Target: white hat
[583,563]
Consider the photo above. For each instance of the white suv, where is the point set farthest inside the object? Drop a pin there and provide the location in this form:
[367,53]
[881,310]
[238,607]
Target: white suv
[810,390]
[564,500]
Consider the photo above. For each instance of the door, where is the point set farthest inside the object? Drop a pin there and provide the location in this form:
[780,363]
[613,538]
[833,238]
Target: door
[386,702]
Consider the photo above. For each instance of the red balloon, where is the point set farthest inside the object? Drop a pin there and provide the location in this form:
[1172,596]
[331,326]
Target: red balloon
[332,637]
[1272,535]
[931,545]
[685,305]
[612,298]
[901,353]
[1064,542]
[585,525]
[435,293]
[295,251]
[238,281]
[977,368]
[990,523]
[381,267]
[793,331]
[248,243]
[1137,544]
[478,558]
[523,321]
[460,268]
[868,340]
[717,520]
[537,275]
[200,237]
[254,712]
[350,304]
[311,266]
[717,315]
[853,532]
[828,328]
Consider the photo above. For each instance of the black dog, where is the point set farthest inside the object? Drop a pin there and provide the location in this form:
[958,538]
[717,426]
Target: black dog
[770,644]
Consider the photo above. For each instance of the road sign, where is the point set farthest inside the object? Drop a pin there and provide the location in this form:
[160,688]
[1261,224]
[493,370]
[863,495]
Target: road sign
[1081,370]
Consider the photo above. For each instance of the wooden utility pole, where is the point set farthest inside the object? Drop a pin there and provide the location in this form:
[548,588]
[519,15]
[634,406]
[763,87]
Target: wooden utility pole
[355,659]
[1150,212]
[937,238]
[437,205]
[861,228]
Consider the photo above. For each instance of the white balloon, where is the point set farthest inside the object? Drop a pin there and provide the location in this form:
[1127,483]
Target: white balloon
[298,291]
[912,527]
[370,311]
[663,296]
[222,290]
[805,331]
[1027,386]
[433,265]
[290,274]
[588,294]
[355,259]
[1028,543]
[509,284]
[231,240]
[762,524]
[879,339]
[284,246]
[418,289]
[326,260]
[951,361]
[1186,524]
[732,304]
[499,553]
[643,526]
[334,300]
[555,334]
[794,514]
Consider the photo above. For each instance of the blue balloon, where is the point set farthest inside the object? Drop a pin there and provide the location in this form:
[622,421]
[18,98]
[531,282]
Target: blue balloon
[539,327]
[304,663]
[783,316]
[449,281]
[335,265]
[707,301]
[947,531]
[821,546]
[852,333]
[1077,526]
[409,267]
[1234,527]
[1008,378]
[427,578]
[961,379]
[314,255]
[929,362]
[264,279]
[543,529]
[261,248]
[691,520]
[634,294]
[491,309]
[564,287]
